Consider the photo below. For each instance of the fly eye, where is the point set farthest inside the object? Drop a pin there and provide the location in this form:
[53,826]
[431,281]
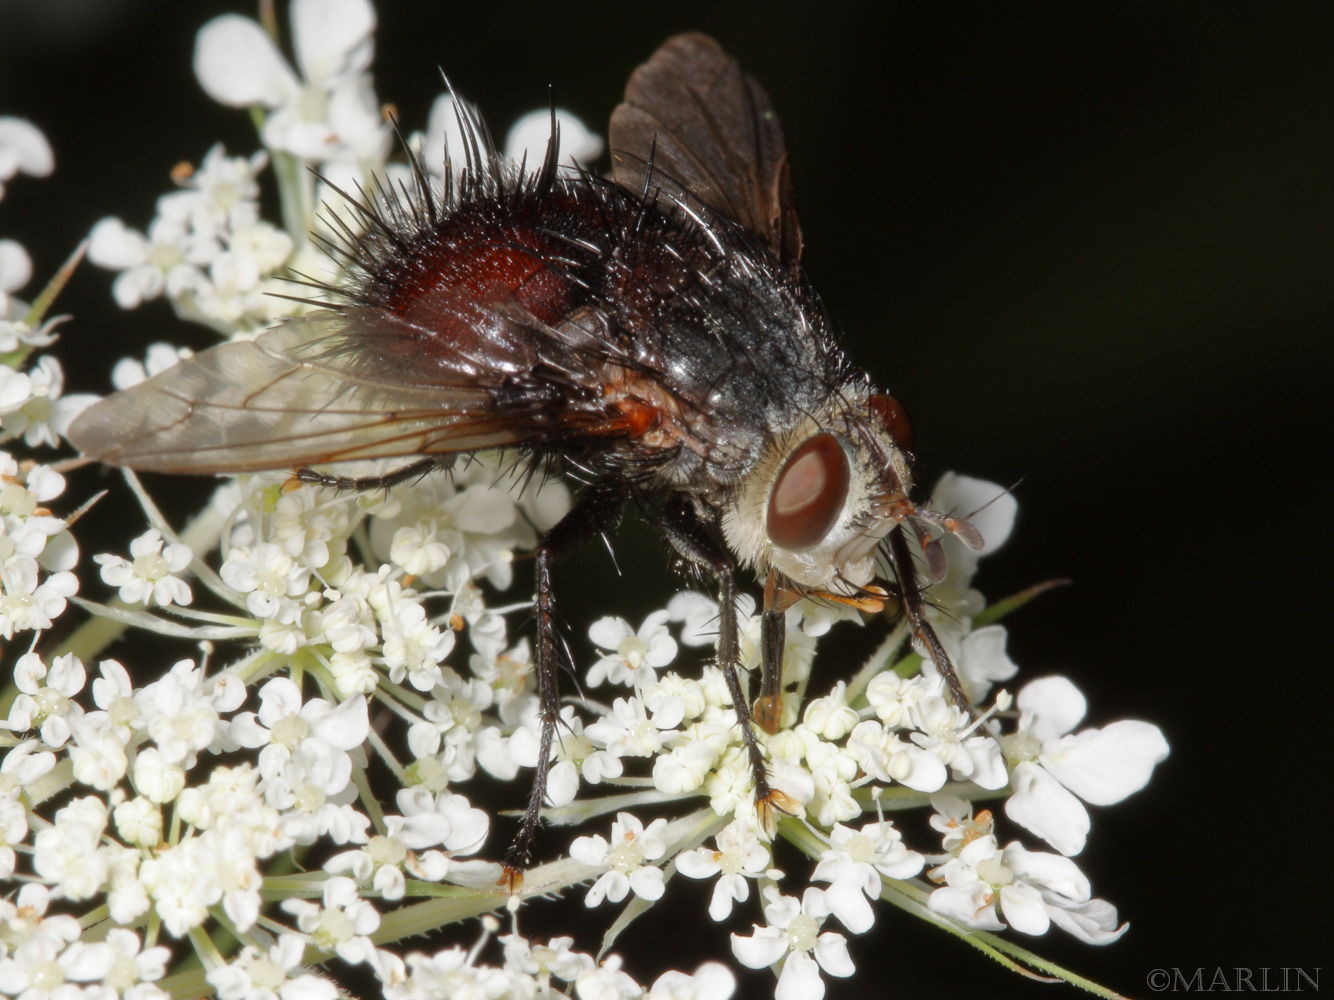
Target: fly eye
[895,419]
[808,494]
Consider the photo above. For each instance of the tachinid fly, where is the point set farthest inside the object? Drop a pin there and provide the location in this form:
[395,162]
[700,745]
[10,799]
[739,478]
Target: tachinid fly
[650,334]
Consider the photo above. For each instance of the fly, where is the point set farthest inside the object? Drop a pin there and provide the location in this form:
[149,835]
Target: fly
[650,333]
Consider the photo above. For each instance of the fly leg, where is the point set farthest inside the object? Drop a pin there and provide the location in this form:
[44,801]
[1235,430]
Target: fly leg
[693,542]
[913,603]
[596,509]
[773,635]
[364,484]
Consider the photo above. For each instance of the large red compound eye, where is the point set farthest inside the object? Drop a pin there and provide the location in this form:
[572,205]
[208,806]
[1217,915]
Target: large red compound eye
[808,494]
[895,420]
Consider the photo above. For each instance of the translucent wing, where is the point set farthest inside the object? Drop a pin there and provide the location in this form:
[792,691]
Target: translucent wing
[354,384]
[709,133]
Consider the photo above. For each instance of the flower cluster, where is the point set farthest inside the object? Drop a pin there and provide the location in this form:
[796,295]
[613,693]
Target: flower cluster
[287,794]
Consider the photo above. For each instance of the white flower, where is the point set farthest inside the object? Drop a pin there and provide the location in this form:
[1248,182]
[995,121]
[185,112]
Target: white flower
[453,727]
[27,527]
[24,764]
[574,752]
[378,865]
[270,974]
[941,728]
[285,725]
[45,701]
[159,357]
[632,844]
[555,958]
[98,752]
[886,756]
[23,917]
[26,601]
[830,717]
[13,831]
[331,114]
[695,751]
[711,981]
[32,404]
[269,578]
[740,855]
[469,514]
[831,769]
[633,656]
[981,661]
[228,193]
[66,853]
[607,981]
[1031,890]
[207,249]
[419,549]
[151,578]
[169,259]
[698,616]
[446,820]
[23,149]
[793,935]
[118,964]
[312,528]
[953,819]
[854,865]
[180,711]
[627,731]
[15,272]
[413,646]
[1054,770]
[139,822]
[182,882]
[114,694]
[527,139]
[341,924]
[234,830]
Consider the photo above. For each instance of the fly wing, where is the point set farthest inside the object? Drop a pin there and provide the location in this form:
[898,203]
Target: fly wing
[358,383]
[693,124]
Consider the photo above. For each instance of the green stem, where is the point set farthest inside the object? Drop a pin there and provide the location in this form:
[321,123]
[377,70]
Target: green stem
[877,662]
[1008,605]
[369,800]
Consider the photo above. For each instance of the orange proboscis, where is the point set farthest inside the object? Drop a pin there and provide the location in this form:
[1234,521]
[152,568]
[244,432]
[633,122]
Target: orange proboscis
[871,599]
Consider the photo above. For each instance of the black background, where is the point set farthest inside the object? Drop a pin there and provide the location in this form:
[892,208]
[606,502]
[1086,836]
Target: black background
[1087,245]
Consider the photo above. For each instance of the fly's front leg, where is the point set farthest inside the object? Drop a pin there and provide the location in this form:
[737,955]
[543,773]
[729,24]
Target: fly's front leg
[595,510]
[914,609]
[694,543]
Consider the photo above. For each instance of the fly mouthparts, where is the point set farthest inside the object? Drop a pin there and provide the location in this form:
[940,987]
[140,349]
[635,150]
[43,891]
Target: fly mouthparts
[951,524]
[897,507]
[929,527]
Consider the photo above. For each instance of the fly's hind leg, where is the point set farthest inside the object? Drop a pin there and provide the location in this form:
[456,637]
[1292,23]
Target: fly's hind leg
[364,484]
[596,509]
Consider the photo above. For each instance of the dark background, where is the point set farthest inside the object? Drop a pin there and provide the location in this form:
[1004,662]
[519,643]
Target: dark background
[1086,244]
